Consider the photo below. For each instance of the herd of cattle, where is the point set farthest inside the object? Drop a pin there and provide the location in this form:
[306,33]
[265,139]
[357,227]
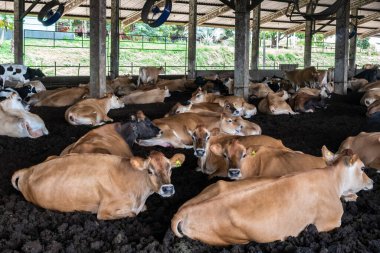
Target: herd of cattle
[282,190]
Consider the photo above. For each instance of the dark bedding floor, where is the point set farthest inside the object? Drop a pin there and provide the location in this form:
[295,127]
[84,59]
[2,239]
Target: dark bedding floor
[27,228]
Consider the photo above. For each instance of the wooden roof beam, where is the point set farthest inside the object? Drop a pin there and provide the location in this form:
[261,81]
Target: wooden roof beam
[71,5]
[213,14]
[369,33]
[280,13]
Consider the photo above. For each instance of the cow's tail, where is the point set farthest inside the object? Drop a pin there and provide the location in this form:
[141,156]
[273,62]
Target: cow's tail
[16,178]
[177,222]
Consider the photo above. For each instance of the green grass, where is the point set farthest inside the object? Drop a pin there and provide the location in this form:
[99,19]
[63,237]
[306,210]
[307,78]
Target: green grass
[72,56]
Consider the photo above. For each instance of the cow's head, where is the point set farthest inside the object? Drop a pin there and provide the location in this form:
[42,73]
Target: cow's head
[35,72]
[14,102]
[230,124]
[201,136]
[198,96]
[229,108]
[249,110]
[234,153]
[139,127]
[348,168]
[258,90]
[159,170]
[114,101]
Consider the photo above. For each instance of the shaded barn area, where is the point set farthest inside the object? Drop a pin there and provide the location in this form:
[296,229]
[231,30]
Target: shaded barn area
[27,228]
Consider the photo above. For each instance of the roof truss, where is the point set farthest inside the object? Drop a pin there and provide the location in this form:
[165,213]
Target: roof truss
[71,5]
[369,33]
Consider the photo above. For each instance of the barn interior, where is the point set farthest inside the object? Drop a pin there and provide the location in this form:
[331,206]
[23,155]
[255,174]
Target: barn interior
[25,227]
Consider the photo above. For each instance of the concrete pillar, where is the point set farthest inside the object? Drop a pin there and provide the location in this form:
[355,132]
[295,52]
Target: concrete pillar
[97,48]
[115,30]
[255,43]
[192,39]
[241,73]
[341,49]
[18,38]
[352,52]
[308,39]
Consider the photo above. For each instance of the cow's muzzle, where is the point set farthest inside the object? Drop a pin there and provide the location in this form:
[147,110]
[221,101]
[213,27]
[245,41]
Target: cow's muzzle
[236,113]
[234,173]
[199,152]
[167,190]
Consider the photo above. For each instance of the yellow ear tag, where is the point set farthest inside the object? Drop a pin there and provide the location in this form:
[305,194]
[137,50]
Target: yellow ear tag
[253,153]
[178,163]
[351,161]
[329,153]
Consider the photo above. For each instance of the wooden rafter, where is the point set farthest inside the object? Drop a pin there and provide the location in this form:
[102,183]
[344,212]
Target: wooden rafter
[280,13]
[355,4]
[71,5]
[136,16]
[369,33]
[213,14]
[230,3]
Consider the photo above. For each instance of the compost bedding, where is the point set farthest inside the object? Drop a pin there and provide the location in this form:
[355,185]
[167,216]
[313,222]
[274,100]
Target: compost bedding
[27,228]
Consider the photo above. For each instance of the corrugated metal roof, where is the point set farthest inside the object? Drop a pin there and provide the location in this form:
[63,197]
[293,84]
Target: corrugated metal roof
[181,9]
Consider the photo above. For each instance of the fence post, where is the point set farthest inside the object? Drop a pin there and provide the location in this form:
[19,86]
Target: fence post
[78,69]
[55,68]
[165,68]
[142,41]
[131,68]
[165,43]
[54,39]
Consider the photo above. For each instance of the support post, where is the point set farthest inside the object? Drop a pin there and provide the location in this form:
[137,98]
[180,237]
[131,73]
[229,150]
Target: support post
[192,39]
[255,42]
[341,50]
[241,73]
[353,40]
[115,31]
[308,39]
[18,38]
[97,48]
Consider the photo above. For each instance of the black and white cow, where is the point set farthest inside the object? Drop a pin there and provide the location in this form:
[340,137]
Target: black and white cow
[16,72]
[24,92]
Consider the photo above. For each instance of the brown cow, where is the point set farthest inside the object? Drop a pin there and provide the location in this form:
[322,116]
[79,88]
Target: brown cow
[247,160]
[259,90]
[271,209]
[122,85]
[92,111]
[114,187]
[303,102]
[373,108]
[356,84]
[369,97]
[367,146]
[370,66]
[175,84]
[156,95]
[303,77]
[370,86]
[212,164]
[63,97]
[275,104]
[149,75]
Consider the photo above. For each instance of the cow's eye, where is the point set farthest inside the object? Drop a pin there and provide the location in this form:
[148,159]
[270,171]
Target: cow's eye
[198,95]
[19,99]
[229,120]
[244,155]
[177,112]
[207,137]
[150,171]
[224,155]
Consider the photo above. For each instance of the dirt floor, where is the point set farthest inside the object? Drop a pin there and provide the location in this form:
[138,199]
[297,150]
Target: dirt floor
[27,228]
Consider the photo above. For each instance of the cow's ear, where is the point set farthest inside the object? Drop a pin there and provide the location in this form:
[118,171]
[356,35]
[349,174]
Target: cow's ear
[177,160]
[354,158]
[215,131]
[328,156]
[139,163]
[217,149]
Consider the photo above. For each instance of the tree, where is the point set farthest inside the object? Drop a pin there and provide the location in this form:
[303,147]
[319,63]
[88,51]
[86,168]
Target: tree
[6,23]
[363,43]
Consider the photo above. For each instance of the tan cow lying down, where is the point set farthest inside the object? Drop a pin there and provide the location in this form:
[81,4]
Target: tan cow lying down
[303,77]
[247,160]
[356,84]
[275,104]
[122,85]
[111,186]
[92,111]
[175,128]
[370,86]
[18,122]
[367,146]
[369,97]
[373,108]
[146,97]
[266,210]
[149,75]
[303,102]
[259,90]
[60,97]
[245,109]
[214,165]
[175,84]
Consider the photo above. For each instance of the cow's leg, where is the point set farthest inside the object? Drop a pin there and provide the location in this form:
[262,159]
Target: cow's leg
[115,209]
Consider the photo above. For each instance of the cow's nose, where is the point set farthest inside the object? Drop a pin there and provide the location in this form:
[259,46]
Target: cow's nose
[167,190]
[234,173]
[199,152]
[236,113]
[369,186]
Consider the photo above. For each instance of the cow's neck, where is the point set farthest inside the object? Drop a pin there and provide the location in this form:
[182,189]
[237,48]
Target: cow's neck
[105,103]
[340,176]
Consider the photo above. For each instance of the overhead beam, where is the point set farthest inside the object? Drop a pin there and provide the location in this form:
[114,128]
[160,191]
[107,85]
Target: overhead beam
[213,14]
[355,4]
[136,16]
[369,33]
[71,5]
[280,13]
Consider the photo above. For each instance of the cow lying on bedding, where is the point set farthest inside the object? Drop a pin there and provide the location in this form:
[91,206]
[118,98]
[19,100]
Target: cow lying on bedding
[17,121]
[114,187]
[92,111]
[270,209]
[16,72]
[115,139]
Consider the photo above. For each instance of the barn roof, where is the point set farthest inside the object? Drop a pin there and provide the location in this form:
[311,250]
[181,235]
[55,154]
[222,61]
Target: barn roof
[215,14]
